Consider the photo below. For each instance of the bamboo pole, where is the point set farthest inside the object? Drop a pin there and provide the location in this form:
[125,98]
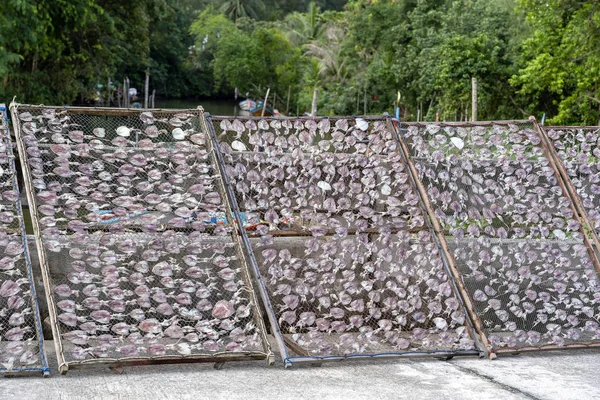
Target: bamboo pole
[440,234]
[63,366]
[569,190]
[240,238]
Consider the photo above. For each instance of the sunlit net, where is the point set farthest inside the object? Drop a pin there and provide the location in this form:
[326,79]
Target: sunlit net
[21,346]
[578,150]
[335,226]
[142,261]
[512,231]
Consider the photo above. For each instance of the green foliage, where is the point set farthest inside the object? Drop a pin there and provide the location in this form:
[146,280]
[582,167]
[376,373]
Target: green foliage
[538,57]
[236,9]
[247,56]
[561,74]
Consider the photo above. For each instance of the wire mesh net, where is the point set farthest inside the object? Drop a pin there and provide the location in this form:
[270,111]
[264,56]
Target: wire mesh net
[21,343]
[578,150]
[343,251]
[140,257]
[512,230]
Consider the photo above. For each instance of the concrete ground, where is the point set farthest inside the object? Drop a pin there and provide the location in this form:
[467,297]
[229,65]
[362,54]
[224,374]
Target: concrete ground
[571,374]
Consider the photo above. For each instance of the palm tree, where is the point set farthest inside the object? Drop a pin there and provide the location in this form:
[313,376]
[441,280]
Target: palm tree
[235,9]
[305,27]
[327,52]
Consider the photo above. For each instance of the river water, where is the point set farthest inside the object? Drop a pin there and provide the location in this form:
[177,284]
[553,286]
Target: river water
[212,106]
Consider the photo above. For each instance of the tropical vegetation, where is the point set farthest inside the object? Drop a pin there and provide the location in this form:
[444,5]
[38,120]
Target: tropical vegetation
[530,57]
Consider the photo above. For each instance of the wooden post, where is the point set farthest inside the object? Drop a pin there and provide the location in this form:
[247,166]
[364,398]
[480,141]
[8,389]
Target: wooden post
[153,97]
[287,104]
[274,101]
[262,113]
[128,99]
[108,93]
[313,108]
[365,101]
[474,99]
[146,88]
[124,95]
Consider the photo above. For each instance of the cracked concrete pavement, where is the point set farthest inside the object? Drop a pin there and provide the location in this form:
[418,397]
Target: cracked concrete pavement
[564,375]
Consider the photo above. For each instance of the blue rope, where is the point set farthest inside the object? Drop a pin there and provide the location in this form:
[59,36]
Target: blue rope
[8,143]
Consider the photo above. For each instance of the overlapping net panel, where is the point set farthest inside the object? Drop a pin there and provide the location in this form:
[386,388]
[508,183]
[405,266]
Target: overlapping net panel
[141,260]
[21,343]
[344,253]
[579,153]
[512,230]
